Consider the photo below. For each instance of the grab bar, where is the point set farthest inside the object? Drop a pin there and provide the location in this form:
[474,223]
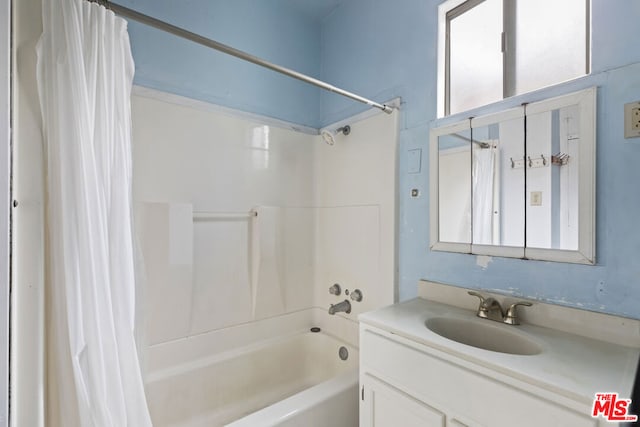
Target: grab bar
[223,215]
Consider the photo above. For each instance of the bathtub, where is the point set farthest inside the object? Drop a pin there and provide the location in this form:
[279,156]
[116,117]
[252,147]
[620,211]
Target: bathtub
[290,381]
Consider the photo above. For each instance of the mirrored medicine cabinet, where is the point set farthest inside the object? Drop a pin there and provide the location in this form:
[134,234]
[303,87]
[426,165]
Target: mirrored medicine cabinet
[519,183]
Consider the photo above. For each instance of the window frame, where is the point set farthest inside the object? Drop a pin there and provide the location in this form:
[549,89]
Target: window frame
[450,9]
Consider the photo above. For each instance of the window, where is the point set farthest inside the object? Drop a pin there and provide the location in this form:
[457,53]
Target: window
[494,49]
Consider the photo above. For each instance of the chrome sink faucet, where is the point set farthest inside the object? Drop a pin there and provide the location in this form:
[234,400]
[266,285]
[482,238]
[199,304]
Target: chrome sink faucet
[491,309]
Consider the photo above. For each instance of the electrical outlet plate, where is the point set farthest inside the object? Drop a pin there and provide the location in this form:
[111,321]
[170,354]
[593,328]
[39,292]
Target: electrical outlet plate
[632,120]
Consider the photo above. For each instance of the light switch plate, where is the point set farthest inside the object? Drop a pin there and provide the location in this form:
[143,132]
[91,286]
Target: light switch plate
[632,120]
[414,160]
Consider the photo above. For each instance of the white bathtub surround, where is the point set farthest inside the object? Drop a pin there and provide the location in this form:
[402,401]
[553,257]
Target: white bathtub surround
[85,72]
[355,191]
[232,384]
[328,214]
[271,266]
[171,98]
[181,234]
[324,215]
[166,236]
[220,163]
[267,262]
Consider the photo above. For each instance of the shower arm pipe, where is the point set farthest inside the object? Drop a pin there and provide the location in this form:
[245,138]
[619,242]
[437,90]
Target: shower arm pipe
[180,32]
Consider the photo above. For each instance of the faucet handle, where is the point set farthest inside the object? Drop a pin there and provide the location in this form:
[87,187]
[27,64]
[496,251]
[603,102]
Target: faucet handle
[482,308]
[356,295]
[511,316]
[475,294]
[335,289]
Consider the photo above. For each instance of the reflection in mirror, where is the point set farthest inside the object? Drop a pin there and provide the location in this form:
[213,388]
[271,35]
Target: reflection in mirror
[553,139]
[498,183]
[454,187]
[530,189]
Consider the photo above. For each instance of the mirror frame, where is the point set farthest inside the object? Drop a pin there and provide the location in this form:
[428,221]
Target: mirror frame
[434,191]
[586,252]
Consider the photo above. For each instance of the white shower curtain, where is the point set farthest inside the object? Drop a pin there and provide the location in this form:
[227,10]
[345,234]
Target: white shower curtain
[85,73]
[484,160]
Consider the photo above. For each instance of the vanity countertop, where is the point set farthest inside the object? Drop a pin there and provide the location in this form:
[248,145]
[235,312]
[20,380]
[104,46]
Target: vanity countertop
[569,364]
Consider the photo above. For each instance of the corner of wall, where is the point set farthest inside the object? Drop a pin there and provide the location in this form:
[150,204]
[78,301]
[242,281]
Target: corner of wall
[28,265]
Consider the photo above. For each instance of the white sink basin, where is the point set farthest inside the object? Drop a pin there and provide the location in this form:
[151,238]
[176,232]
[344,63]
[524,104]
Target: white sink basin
[483,334]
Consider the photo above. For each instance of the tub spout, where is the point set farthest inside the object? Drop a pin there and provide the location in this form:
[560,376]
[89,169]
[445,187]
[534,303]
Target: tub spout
[341,306]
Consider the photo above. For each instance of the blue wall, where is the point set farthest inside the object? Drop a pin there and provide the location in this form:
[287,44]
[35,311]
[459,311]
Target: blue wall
[383,49]
[273,30]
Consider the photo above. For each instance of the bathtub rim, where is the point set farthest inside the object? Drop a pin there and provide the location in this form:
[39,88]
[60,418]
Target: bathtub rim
[279,412]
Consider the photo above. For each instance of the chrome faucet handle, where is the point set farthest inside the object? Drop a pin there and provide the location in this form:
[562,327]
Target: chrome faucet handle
[511,316]
[335,289]
[482,308]
[475,294]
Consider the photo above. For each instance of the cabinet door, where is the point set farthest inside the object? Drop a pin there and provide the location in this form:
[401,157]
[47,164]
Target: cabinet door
[383,405]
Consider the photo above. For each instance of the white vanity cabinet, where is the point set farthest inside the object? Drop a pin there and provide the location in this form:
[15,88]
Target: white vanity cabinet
[408,384]
[411,376]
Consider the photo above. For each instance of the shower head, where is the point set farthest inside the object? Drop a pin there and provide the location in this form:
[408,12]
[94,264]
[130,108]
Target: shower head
[330,136]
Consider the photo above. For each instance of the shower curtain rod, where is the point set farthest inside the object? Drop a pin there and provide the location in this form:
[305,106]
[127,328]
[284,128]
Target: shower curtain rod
[482,144]
[180,32]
